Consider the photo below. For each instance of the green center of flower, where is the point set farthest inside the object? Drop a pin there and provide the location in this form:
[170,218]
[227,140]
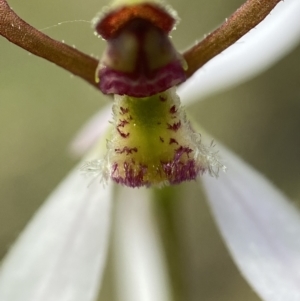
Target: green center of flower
[153,144]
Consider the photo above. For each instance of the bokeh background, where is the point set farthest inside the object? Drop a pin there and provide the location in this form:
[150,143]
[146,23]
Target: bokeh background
[42,107]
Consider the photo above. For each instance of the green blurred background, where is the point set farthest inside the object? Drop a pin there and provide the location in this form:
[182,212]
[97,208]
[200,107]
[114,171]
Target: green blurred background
[42,107]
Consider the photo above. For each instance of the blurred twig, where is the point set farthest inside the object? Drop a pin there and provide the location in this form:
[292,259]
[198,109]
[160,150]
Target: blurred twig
[17,31]
[241,21]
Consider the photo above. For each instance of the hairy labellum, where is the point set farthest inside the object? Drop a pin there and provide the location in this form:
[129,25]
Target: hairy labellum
[140,59]
[153,144]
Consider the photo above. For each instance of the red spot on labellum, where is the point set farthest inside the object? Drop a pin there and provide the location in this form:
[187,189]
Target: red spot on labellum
[173,141]
[182,150]
[175,126]
[173,110]
[123,123]
[126,150]
[123,110]
[122,134]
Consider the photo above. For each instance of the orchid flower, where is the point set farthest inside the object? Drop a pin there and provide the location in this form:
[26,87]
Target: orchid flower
[62,253]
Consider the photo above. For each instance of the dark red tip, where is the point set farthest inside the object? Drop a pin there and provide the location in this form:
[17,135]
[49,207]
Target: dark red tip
[115,20]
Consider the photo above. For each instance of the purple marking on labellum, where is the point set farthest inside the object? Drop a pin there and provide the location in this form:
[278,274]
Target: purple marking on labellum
[179,170]
[161,139]
[123,135]
[175,126]
[141,85]
[126,150]
[134,175]
[182,150]
[122,123]
[173,141]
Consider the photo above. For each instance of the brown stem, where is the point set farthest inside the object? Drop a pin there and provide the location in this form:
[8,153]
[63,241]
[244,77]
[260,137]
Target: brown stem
[22,34]
[243,20]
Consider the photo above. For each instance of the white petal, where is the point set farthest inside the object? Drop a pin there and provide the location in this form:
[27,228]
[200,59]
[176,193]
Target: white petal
[91,131]
[141,270]
[60,256]
[260,227]
[263,46]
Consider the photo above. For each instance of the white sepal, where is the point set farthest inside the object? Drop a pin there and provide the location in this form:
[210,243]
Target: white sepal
[261,228]
[140,263]
[61,254]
